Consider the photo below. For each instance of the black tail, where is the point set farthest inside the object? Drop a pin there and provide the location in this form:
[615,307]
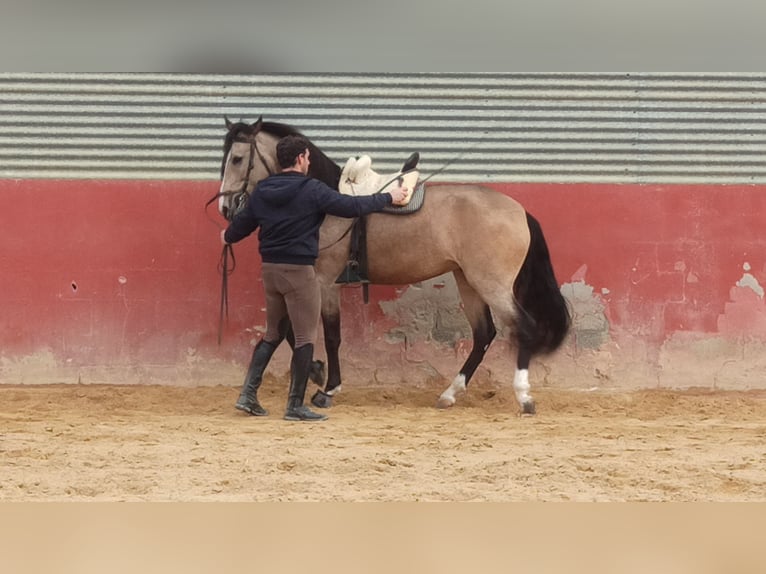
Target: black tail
[544,319]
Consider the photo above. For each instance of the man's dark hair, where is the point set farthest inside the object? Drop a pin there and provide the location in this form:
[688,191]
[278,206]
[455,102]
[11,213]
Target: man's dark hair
[289,148]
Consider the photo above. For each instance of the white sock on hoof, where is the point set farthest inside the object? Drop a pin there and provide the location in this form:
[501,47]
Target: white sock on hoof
[457,387]
[334,392]
[521,386]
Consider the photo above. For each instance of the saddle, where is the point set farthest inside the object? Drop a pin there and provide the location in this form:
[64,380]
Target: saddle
[358,178]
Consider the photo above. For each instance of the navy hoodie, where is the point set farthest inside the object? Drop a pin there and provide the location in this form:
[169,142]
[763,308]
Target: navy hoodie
[289,208]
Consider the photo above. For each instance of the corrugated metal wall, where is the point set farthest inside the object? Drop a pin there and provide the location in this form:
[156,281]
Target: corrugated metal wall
[509,127]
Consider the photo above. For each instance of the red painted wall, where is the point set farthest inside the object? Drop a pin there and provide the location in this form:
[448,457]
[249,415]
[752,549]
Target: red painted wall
[126,272]
[669,255]
[105,271]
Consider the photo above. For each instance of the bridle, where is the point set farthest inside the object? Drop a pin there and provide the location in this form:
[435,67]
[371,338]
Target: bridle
[239,197]
[238,201]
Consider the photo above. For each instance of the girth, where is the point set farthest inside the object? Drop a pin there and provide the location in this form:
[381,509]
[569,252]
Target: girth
[356,271]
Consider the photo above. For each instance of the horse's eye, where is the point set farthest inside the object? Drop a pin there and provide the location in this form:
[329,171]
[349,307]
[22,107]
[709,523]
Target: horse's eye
[236,160]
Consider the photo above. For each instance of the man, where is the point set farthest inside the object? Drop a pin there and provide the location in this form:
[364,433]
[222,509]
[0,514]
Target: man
[289,207]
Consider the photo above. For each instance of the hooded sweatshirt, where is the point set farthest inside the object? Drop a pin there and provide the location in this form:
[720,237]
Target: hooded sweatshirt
[289,208]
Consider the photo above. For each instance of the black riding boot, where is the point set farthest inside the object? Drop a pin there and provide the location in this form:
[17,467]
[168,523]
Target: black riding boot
[299,378]
[248,398]
[317,373]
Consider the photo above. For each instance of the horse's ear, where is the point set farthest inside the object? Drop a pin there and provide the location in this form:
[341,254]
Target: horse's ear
[228,123]
[411,163]
[257,125]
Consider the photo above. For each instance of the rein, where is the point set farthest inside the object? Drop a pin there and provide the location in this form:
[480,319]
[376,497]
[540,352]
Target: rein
[341,238]
[225,270]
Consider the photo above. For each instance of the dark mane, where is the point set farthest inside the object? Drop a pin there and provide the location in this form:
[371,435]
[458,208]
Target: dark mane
[280,130]
[322,167]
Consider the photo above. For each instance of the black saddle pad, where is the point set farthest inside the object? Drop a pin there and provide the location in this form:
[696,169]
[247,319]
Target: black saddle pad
[418,198]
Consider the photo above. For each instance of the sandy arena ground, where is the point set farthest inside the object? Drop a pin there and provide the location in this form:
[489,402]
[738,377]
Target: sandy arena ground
[138,443]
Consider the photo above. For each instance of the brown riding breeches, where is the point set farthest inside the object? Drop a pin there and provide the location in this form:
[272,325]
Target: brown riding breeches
[292,290]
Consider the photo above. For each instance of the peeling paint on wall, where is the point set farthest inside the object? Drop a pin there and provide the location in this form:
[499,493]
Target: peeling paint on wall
[590,326]
[745,312]
[749,281]
[429,311]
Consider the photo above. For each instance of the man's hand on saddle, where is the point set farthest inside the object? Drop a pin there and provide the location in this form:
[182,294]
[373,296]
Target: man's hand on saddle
[400,195]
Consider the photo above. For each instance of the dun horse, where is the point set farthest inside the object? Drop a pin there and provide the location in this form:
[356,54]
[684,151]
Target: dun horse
[493,247]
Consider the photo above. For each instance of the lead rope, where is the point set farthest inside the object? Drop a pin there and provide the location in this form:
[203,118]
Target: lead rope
[225,270]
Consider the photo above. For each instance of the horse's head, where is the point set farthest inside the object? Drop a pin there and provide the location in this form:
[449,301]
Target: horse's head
[249,156]
[358,177]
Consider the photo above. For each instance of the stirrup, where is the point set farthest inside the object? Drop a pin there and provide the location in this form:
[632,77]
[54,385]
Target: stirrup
[350,275]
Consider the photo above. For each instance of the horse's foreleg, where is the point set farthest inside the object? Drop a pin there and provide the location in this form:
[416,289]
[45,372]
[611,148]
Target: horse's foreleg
[332,339]
[484,332]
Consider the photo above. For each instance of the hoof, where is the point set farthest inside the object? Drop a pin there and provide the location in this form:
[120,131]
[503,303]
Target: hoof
[528,408]
[321,400]
[445,403]
[317,373]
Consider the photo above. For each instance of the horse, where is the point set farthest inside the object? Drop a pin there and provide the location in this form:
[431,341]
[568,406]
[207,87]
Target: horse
[493,247]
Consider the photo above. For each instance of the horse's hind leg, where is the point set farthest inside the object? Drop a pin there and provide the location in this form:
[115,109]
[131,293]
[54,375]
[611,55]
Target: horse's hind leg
[521,382]
[480,318]
[507,312]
